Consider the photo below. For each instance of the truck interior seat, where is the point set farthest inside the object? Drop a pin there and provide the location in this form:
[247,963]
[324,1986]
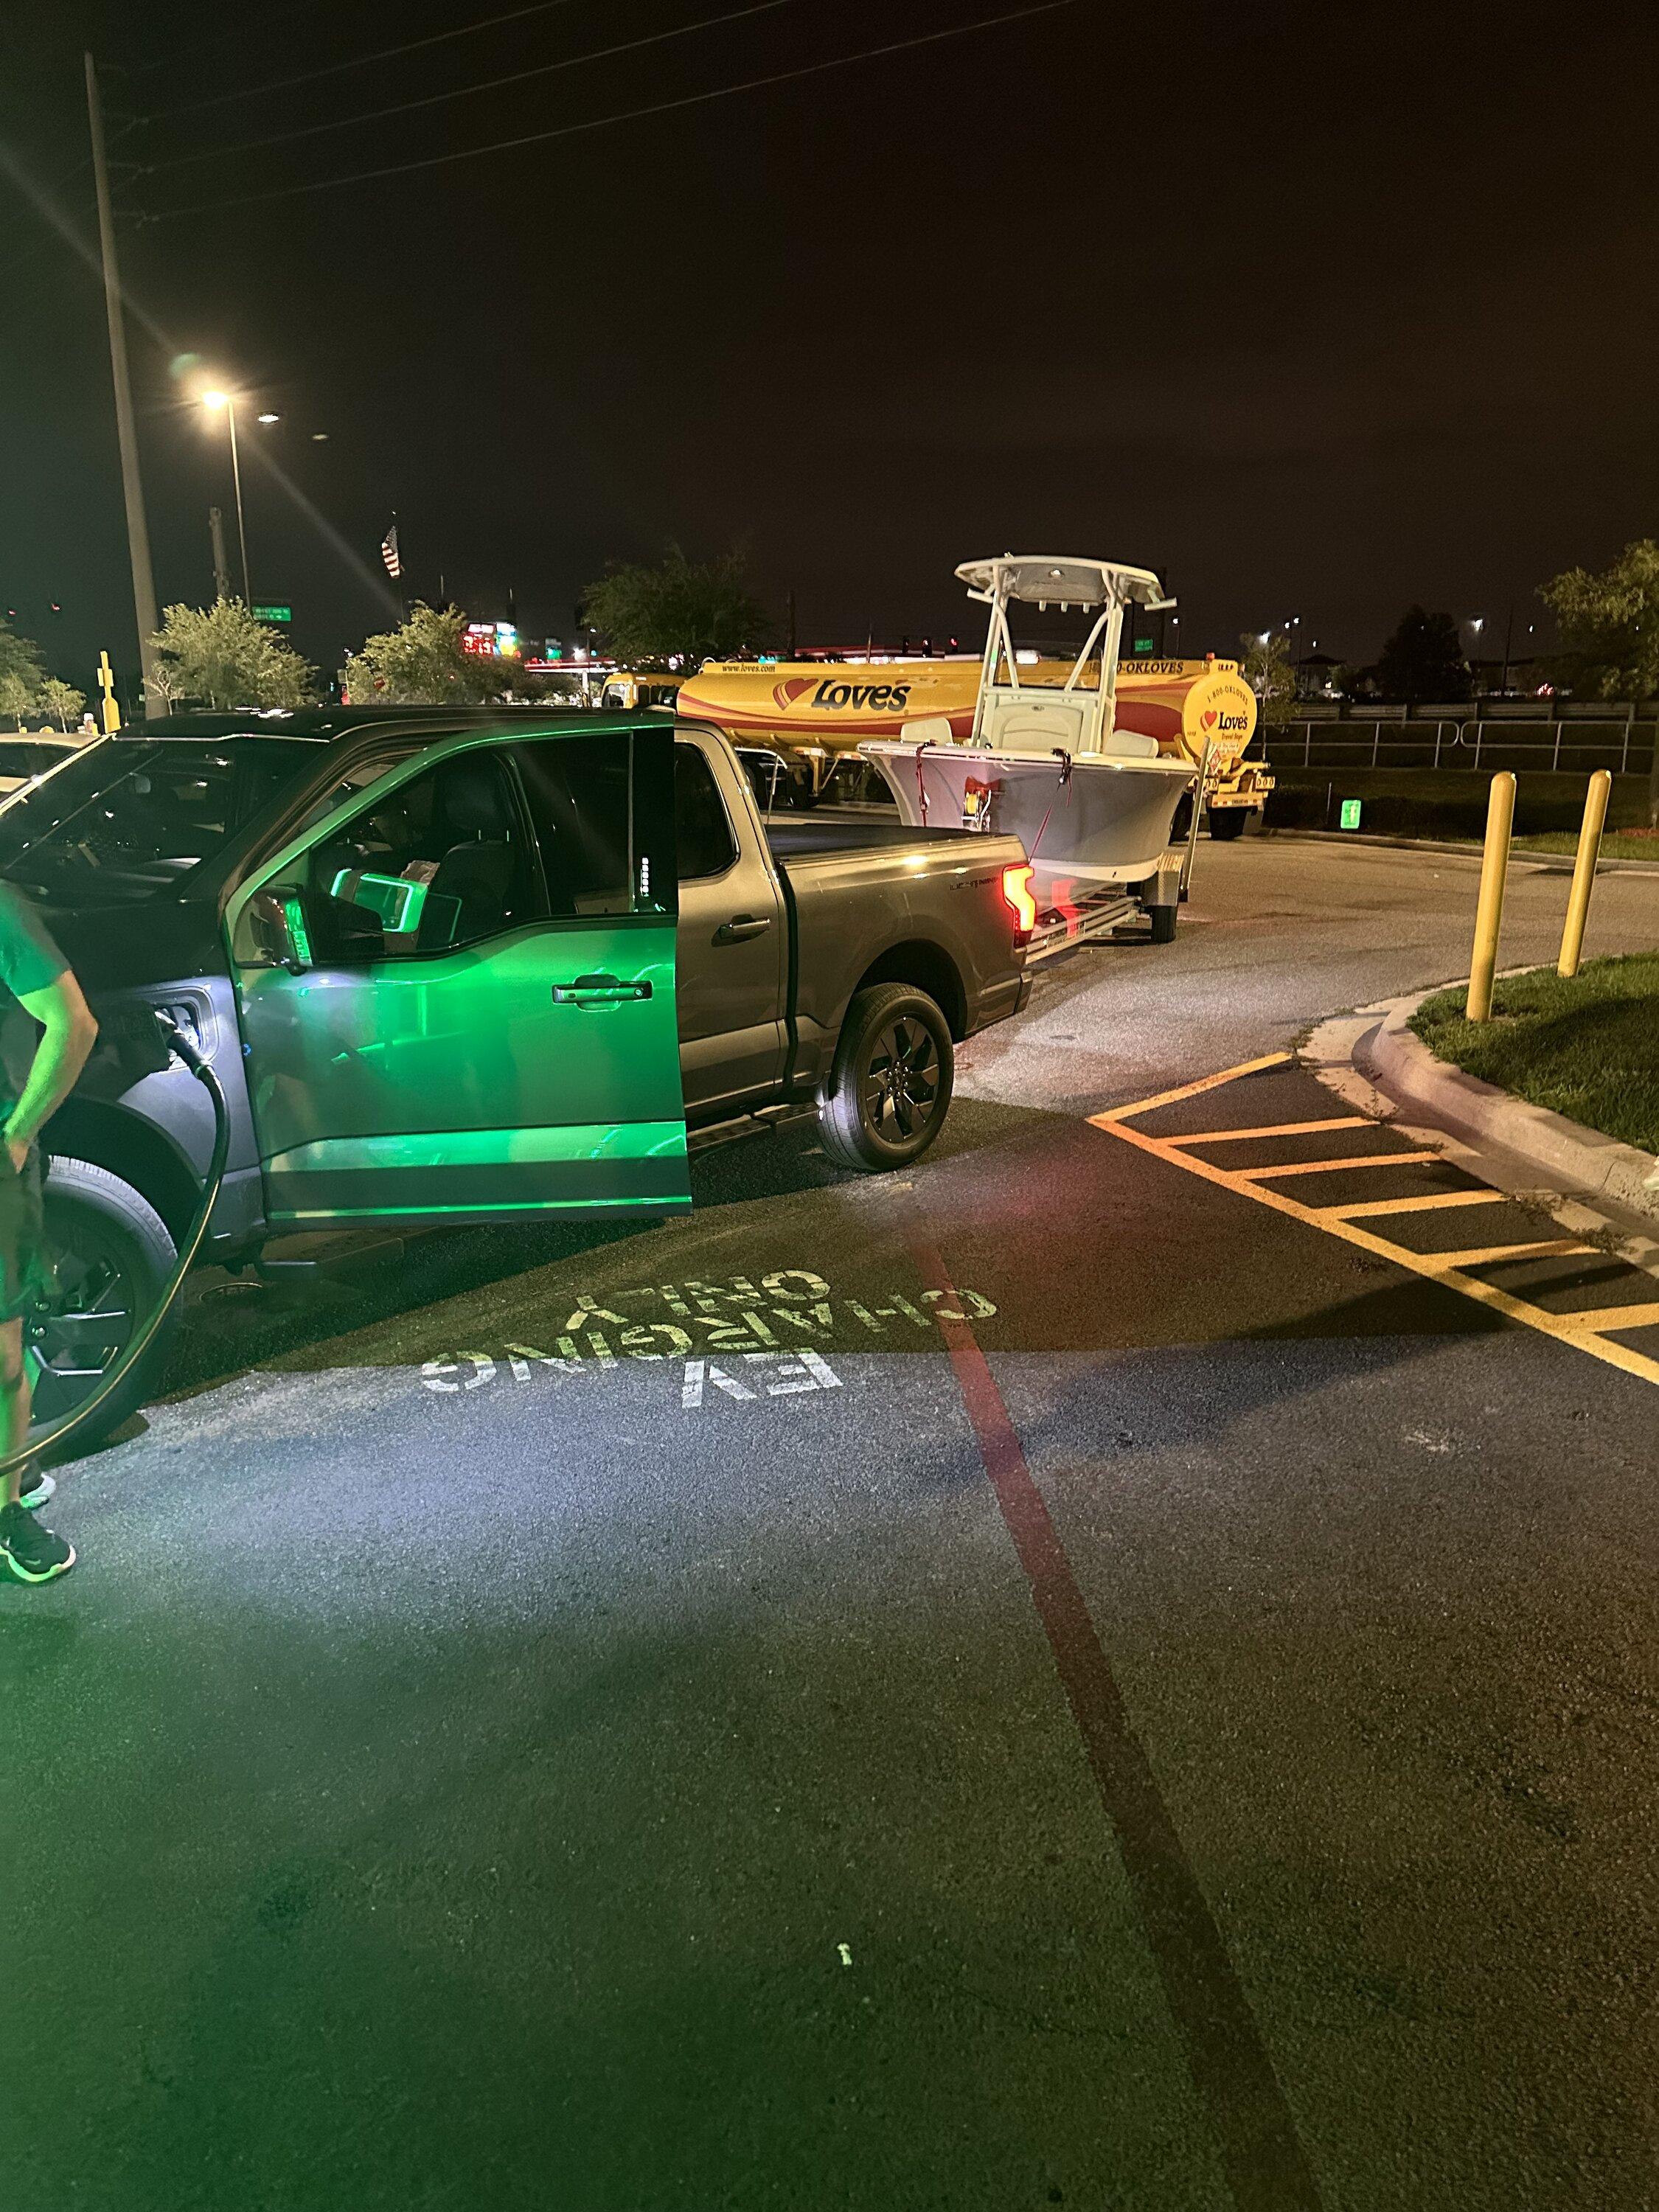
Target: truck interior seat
[479,870]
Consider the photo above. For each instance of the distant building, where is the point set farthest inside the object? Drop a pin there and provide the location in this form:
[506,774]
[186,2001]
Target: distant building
[1316,676]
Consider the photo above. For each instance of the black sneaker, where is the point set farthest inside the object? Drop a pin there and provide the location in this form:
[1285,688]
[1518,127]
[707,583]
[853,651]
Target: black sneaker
[32,1553]
[34,1488]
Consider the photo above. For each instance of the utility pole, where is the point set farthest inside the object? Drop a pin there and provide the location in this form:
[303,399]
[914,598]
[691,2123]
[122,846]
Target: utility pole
[221,567]
[144,578]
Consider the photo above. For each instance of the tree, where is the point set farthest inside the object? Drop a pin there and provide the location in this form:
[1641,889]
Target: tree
[1424,660]
[220,656]
[1610,624]
[21,673]
[687,610]
[422,663]
[16,695]
[1265,665]
[61,702]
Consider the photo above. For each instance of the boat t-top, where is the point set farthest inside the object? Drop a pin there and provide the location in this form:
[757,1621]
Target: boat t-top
[1093,802]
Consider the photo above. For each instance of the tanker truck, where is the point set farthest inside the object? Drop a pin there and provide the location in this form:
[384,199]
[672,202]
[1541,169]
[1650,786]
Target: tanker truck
[814,715]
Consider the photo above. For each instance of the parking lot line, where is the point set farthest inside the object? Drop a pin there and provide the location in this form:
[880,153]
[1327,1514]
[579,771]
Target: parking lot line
[1330,1167]
[1193,1090]
[1544,1248]
[1596,1331]
[1620,1318]
[1276,1129]
[1265,2166]
[1423,1204]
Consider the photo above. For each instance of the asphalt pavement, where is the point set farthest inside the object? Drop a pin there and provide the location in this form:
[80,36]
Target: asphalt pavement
[1039,1681]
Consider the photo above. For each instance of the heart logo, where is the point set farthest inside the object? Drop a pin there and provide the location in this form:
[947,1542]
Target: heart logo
[1210,719]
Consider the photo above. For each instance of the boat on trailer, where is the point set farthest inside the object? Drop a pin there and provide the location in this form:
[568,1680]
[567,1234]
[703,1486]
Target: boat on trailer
[1092,800]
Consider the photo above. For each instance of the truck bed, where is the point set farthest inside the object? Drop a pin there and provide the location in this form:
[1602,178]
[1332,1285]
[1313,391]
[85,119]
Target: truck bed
[804,839]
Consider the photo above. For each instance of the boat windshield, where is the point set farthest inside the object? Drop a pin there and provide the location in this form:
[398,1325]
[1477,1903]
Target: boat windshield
[125,822]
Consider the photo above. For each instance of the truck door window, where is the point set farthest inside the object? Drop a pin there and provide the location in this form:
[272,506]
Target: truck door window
[706,847]
[607,842]
[439,862]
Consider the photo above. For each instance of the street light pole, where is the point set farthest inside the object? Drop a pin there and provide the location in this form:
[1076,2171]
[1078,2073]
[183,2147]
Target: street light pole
[143,577]
[217,398]
[236,479]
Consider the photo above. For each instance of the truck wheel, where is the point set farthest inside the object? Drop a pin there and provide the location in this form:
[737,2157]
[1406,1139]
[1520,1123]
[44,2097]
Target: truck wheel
[1227,822]
[111,1256]
[1164,924]
[891,1088]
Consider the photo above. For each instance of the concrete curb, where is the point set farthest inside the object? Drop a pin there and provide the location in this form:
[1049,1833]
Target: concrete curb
[1566,1155]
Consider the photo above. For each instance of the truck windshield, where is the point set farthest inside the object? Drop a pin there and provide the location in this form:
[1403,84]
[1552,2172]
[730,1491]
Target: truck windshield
[130,821]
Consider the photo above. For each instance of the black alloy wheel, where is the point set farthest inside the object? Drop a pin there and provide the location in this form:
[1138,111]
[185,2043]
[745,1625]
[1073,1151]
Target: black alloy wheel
[111,1257]
[891,1088]
[902,1080]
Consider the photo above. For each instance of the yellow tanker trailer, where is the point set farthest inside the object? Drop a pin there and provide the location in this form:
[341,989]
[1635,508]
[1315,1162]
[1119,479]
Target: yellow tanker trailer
[822,711]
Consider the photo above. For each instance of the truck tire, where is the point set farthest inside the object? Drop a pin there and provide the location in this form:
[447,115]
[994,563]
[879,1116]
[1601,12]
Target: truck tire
[1227,822]
[890,1089]
[1164,924]
[111,1254]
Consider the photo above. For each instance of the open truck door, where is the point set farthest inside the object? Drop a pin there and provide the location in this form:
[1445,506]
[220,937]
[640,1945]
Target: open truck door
[457,988]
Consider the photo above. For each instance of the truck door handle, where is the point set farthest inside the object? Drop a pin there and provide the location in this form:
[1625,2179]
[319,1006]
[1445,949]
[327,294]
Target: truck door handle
[598,991]
[742,926]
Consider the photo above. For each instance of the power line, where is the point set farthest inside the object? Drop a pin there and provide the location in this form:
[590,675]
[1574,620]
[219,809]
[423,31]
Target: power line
[359,61]
[604,122]
[461,92]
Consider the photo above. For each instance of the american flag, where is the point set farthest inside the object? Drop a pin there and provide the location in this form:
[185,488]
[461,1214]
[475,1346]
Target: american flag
[389,553]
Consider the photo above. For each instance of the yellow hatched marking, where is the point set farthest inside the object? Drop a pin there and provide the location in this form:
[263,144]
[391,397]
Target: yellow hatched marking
[1330,1167]
[1188,1090]
[1546,1248]
[1434,1198]
[1273,1129]
[1612,1317]
[1583,1332]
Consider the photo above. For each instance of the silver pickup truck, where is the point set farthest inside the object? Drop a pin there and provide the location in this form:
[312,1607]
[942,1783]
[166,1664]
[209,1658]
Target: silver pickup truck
[835,961]
[445,965]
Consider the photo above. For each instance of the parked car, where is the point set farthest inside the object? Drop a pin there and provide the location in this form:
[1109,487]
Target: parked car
[478,965]
[24,756]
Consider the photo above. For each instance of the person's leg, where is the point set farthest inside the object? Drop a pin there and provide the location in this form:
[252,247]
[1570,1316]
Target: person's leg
[14,1404]
[32,1553]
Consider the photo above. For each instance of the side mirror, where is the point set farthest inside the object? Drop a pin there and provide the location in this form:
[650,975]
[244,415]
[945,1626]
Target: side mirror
[268,931]
[341,931]
[297,929]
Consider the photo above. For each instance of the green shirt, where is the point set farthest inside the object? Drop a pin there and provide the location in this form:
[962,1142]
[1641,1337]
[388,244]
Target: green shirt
[29,962]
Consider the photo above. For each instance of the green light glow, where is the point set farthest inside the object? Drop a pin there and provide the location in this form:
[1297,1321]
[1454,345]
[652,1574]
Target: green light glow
[297,931]
[399,901]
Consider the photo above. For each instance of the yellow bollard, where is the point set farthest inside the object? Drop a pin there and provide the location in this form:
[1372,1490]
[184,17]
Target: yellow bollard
[111,712]
[1583,873]
[1489,911]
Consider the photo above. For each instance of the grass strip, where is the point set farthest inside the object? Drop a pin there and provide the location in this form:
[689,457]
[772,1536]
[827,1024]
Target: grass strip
[1587,1047]
[1616,844]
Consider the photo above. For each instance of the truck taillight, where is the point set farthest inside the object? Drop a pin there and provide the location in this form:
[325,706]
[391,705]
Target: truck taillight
[1016,897]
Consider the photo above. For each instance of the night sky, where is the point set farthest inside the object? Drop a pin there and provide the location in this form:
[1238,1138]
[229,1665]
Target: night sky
[1320,308]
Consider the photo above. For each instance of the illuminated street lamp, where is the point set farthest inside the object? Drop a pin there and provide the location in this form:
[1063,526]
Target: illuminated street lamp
[213,398]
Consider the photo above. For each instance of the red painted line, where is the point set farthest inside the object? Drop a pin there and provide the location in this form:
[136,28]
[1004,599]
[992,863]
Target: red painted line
[1265,2166]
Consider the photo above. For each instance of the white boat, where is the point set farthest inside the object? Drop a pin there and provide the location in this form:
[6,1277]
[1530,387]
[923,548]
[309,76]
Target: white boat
[1092,804]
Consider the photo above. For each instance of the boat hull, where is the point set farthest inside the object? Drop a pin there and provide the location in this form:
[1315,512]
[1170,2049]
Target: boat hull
[1108,822]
